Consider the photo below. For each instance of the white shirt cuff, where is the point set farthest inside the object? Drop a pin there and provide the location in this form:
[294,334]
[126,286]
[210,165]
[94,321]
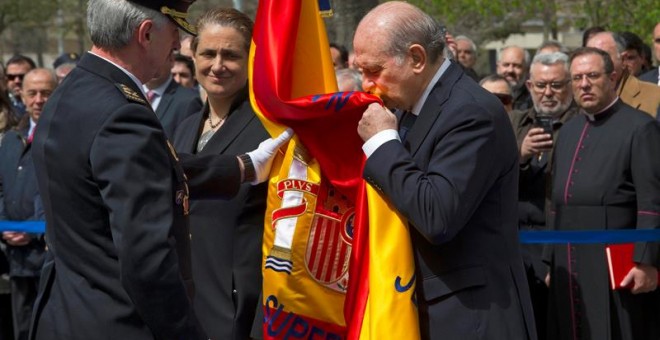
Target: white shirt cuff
[379,139]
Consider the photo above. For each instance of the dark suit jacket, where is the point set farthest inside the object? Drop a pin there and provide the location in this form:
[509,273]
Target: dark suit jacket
[455,180]
[177,104]
[20,201]
[650,76]
[227,234]
[118,265]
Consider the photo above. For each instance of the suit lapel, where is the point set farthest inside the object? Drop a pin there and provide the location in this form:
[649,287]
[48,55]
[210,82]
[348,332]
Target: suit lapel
[236,122]
[432,108]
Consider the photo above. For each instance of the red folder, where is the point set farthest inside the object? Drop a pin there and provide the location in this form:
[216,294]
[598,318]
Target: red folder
[620,262]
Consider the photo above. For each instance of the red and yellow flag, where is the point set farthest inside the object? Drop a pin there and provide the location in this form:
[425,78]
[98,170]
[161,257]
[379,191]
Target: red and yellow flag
[324,225]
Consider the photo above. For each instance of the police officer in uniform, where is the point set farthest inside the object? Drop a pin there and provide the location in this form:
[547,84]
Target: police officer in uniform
[115,192]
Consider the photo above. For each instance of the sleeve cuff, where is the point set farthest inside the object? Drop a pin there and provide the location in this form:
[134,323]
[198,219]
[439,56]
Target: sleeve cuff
[370,146]
[248,168]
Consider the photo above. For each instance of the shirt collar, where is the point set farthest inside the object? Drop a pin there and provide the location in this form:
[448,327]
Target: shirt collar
[592,117]
[160,89]
[33,124]
[420,103]
[129,74]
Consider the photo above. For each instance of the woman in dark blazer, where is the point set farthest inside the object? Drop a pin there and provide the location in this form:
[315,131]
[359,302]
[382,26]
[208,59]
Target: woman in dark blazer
[225,234]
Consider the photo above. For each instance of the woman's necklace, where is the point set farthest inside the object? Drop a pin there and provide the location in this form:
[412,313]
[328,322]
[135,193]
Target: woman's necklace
[213,126]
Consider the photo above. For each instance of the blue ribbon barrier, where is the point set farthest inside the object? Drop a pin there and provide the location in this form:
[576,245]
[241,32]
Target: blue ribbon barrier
[527,237]
[590,236]
[33,227]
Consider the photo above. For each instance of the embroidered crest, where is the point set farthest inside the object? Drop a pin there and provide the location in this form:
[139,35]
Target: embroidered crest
[131,94]
[329,243]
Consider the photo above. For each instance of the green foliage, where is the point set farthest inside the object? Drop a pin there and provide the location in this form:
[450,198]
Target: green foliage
[488,20]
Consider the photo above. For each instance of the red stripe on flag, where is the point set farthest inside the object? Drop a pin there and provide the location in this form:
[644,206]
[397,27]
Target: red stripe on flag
[358,272]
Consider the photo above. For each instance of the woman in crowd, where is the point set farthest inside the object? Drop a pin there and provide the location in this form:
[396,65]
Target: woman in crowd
[225,235]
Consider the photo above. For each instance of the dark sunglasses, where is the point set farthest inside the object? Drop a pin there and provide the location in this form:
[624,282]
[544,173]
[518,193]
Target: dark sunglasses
[506,99]
[14,76]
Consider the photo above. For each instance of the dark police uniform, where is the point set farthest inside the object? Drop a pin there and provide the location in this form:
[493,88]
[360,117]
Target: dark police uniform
[116,198]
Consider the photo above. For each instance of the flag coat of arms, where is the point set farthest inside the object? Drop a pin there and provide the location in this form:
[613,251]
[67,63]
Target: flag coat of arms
[337,259]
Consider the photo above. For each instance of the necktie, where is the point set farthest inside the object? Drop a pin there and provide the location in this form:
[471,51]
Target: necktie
[151,95]
[31,136]
[407,121]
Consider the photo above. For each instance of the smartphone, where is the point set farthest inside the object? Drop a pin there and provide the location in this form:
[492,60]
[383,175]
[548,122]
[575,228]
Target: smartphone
[544,122]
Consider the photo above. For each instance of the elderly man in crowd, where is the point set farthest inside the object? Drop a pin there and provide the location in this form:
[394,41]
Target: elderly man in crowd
[20,200]
[512,64]
[466,53]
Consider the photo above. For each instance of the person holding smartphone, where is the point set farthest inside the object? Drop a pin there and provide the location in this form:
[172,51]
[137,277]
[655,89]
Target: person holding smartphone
[535,128]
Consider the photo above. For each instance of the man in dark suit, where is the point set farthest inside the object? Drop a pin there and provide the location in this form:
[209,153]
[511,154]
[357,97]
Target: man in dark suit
[172,102]
[454,177]
[20,200]
[114,190]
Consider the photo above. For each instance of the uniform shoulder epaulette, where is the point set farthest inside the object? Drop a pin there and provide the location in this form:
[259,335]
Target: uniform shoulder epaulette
[130,94]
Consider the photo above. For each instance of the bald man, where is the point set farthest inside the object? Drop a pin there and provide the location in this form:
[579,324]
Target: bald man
[451,171]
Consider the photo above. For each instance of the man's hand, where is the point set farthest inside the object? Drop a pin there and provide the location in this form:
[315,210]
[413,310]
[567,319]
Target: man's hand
[374,120]
[16,239]
[534,143]
[645,278]
[262,157]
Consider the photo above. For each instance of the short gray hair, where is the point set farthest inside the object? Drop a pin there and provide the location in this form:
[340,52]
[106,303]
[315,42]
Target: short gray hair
[473,46]
[350,76]
[423,30]
[112,23]
[551,59]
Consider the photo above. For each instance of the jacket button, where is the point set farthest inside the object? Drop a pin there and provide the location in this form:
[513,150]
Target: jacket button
[20,167]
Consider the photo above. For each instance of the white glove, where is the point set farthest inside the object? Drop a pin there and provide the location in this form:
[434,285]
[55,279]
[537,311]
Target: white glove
[262,157]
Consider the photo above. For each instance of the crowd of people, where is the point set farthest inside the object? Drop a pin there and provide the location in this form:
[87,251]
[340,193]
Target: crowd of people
[110,146]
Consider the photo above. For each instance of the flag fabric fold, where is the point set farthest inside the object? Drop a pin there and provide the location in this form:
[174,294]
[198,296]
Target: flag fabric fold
[321,216]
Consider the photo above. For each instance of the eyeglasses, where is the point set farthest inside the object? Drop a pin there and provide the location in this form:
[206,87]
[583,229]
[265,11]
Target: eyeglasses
[591,76]
[13,77]
[506,99]
[555,86]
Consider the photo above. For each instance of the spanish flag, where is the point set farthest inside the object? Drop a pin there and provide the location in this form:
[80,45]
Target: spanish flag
[337,259]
